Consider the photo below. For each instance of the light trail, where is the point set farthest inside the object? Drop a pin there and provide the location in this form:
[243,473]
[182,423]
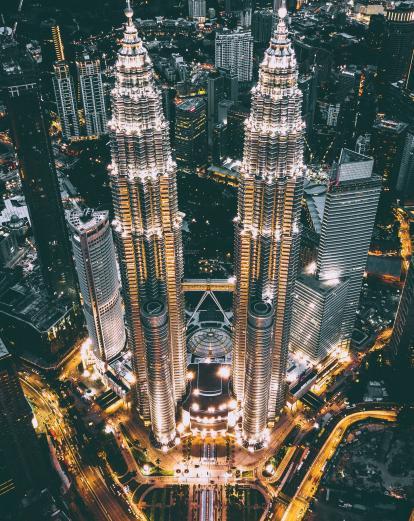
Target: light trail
[72,450]
[309,485]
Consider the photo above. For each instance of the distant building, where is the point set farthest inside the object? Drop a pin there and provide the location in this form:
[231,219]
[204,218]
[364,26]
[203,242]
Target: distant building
[363,144]
[191,135]
[387,142]
[92,94]
[94,252]
[234,51]
[20,471]
[402,341]
[405,180]
[236,118]
[67,105]
[9,248]
[262,25]
[398,42]
[197,10]
[221,85]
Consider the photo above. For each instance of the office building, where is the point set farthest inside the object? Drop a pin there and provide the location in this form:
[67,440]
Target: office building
[387,142]
[348,220]
[236,119]
[262,25]
[92,95]
[147,225]
[94,252]
[197,10]
[191,135]
[402,340]
[405,180]
[318,312]
[398,42]
[221,85]
[67,105]
[234,51]
[268,220]
[20,469]
[29,129]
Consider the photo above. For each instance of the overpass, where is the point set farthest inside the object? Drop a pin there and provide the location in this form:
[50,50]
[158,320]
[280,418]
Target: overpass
[223,285]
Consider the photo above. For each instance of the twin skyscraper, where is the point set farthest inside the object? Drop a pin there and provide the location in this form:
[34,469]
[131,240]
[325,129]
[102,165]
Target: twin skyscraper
[148,225]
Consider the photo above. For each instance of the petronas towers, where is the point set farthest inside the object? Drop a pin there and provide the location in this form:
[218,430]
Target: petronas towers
[148,235]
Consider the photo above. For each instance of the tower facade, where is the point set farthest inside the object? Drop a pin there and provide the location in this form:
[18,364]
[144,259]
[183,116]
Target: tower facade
[267,234]
[258,370]
[147,225]
[29,128]
[93,100]
[93,248]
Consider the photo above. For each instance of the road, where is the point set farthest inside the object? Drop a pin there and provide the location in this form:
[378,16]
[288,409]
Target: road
[99,499]
[307,489]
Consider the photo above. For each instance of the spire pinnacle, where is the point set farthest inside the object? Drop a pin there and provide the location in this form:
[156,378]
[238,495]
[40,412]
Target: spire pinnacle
[129,13]
[282,11]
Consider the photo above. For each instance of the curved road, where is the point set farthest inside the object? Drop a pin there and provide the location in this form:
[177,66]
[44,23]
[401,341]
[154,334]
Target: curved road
[307,489]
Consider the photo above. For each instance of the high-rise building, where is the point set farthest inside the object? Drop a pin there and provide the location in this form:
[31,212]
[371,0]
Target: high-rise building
[268,221]
[387,142]
[236,118]
[317,315]
[19,452]
[67,106]
[29,128]
[241,10]
[348,220]
[147,225]
[262,25]
[191,135]
[402,340]
[197,10]
[398,42]
[221,85]
[94,252]
[234,51]
[92,94]
[405,180]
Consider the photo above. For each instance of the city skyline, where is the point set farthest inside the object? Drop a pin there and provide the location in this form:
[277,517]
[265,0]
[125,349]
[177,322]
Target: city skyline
[206,260]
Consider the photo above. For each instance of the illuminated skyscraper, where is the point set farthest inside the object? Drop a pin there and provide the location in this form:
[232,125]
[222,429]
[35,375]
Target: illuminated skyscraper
[348,220]
[268,221]
[67,106]
[93,248]
[147,226]
[92,93]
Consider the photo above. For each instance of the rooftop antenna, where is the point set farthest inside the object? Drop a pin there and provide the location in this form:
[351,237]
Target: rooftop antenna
[19,10]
